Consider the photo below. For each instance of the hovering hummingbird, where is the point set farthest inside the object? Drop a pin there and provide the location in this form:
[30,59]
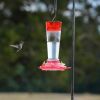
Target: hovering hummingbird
[18,46]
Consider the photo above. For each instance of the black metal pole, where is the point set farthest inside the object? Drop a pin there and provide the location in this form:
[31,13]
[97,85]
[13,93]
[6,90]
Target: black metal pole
[73,51]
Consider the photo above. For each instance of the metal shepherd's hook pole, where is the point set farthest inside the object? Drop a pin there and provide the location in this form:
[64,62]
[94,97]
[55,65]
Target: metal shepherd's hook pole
[73,50]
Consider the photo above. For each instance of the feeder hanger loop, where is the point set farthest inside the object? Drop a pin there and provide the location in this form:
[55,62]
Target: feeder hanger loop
[55,9]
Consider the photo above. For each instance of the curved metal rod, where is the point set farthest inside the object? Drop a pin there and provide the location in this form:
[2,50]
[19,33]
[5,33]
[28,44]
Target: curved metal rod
[54,17]
[55,10]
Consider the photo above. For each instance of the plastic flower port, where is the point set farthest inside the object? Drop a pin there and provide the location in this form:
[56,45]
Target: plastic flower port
[53,65]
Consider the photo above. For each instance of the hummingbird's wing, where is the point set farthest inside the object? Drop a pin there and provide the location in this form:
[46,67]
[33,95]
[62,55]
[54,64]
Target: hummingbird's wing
[21,45]
[18,50]
[15,46]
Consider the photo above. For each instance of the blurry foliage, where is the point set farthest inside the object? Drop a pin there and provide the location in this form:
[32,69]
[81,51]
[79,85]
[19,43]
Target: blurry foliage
[19,71]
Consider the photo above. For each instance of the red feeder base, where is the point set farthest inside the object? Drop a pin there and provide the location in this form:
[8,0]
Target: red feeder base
[53,65]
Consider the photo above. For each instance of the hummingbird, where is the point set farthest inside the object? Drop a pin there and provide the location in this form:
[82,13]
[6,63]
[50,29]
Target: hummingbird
[18,46]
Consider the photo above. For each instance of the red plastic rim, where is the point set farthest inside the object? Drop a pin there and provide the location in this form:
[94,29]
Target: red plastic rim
[53,65]
[53,26]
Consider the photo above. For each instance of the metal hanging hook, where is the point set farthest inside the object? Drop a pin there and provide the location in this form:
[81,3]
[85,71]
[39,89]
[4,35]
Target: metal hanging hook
[55,10]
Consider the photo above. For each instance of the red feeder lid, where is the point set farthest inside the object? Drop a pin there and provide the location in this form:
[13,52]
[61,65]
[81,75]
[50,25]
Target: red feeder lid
[54,65]
[53,25]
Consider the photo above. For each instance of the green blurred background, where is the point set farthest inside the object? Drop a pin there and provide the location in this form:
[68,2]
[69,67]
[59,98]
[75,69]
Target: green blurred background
[24,20]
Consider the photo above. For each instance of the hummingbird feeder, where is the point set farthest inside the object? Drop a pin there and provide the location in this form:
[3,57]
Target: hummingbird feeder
[53,34]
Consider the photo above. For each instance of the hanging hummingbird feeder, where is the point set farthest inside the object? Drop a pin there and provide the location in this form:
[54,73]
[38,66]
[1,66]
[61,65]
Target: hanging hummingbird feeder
[53,34]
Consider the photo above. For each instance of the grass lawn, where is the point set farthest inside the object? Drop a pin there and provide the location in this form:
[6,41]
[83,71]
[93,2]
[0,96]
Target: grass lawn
[46,96]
